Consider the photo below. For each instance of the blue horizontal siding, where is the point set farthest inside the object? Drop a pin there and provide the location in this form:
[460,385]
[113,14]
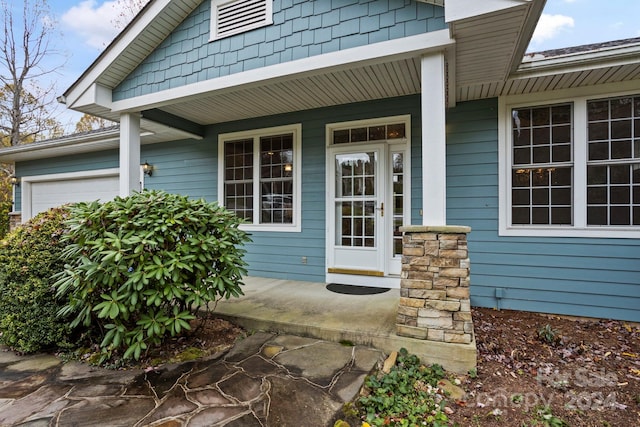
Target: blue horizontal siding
[187,167]
[279,254]
[573,276]
[300,30]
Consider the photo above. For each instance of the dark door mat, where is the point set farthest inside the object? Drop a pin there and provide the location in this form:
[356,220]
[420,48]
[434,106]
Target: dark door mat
[355,290]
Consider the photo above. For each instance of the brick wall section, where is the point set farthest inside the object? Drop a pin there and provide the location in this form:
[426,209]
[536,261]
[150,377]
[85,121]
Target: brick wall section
[15,219]
[434,288]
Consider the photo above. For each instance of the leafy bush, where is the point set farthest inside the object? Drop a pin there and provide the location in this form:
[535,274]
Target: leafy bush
[29,256]
[140,267]
[5,208]
[407,396]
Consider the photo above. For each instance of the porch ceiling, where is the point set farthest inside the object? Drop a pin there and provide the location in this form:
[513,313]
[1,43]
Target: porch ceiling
[376,81]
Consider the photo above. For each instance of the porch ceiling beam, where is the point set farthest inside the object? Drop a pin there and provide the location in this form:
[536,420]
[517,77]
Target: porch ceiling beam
[173,121]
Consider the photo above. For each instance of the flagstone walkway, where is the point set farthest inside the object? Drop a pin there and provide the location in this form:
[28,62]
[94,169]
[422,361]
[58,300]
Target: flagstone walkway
[264,380]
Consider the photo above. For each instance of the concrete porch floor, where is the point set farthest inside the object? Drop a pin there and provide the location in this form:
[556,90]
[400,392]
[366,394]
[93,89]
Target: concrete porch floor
[309,309]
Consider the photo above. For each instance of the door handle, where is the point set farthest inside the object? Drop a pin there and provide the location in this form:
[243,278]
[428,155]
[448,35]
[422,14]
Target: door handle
[381,209]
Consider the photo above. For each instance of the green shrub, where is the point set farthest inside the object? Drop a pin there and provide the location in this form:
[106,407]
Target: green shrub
[140,267]
[29,256]
[5,208]
[407,396]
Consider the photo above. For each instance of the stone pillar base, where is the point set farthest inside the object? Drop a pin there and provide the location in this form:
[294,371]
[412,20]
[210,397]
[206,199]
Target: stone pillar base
[434,287]
[15,219]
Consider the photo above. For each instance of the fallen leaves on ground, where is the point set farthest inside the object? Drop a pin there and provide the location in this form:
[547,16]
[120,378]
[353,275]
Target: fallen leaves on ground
[536,369]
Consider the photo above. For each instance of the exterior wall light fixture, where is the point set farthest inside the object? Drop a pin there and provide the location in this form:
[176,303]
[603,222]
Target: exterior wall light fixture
[147,169]
[14,180]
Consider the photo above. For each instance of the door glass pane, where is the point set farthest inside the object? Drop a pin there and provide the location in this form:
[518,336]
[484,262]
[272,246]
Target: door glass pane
[356,199]
[397,166]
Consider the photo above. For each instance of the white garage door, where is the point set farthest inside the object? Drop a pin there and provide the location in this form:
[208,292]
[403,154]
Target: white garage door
[52,192]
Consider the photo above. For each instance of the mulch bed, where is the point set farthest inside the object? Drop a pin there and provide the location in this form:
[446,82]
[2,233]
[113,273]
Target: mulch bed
[586,371]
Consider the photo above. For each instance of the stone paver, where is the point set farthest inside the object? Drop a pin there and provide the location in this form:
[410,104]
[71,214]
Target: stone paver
[264,380]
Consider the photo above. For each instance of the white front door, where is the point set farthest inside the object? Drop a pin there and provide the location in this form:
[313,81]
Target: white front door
[367,207]
[358,210]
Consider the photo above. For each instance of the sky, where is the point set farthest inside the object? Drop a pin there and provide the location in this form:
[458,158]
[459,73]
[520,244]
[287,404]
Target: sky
[87,27]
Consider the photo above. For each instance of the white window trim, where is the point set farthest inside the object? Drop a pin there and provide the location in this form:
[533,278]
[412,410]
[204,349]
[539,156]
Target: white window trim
[579,124]
[214,20]
[296,130]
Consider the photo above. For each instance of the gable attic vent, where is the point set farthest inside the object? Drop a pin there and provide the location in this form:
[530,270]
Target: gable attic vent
[237,16]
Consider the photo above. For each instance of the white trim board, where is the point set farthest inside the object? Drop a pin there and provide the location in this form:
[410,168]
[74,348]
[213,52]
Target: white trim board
[27,181]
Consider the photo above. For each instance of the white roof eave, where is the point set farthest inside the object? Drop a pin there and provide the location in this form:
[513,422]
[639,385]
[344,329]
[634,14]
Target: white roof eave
[538,64]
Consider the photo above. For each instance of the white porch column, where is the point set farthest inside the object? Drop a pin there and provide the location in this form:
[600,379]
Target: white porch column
[434,171]
[129,153]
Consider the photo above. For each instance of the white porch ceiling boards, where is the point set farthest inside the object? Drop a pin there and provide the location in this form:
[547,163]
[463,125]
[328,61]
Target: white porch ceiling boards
[573,70]
[376,81]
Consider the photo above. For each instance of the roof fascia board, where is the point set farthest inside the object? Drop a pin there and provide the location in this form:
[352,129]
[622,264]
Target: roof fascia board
[359,56]
[531,21]
[51,146]
[581,61]
[115,49]
[456,10]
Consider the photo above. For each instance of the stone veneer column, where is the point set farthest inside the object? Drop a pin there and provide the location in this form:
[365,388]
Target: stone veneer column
[434,287]
[15,219]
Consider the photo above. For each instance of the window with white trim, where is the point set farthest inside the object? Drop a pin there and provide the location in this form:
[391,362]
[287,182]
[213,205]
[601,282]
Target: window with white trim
[260,177]
[572,168]
[229,17]
[541,167]
[613,161]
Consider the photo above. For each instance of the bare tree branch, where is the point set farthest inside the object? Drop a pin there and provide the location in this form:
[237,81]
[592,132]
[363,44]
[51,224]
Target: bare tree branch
[26,108]
[128,9]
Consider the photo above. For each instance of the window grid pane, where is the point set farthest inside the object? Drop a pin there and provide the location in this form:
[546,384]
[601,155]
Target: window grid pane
[613,128]
[613,194]
[542,168]
[541,196]
[357,223]
[276,179]
[542,135]
[613,167]
[371,133]
[238,187]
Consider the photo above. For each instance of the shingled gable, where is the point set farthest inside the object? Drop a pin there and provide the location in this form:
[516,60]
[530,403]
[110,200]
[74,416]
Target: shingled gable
[477,58]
